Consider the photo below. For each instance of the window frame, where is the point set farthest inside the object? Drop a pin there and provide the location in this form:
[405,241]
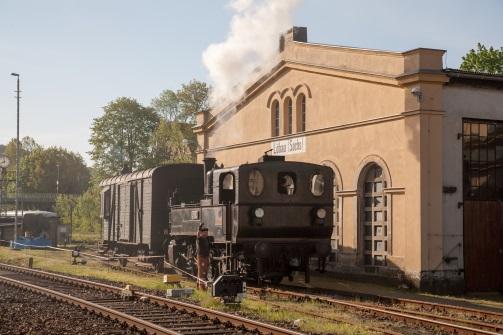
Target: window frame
[263,183]
[276,118]
[301,113]
[311,182]
[222,179]
[291,174]
[482,168]
[288,116]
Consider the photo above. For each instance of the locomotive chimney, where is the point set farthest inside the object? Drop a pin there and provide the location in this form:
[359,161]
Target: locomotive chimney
[209,164]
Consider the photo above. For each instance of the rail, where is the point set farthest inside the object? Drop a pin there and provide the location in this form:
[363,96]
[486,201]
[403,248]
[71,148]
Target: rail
[444,323]
[217,316]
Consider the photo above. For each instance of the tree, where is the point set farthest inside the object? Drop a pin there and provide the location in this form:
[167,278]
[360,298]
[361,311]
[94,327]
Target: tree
[483,60]
[183,105]
[39,171]
[193,98]
[169,144]
[167,105]
[65,206]
[87,211]
[27,145]
[120,138]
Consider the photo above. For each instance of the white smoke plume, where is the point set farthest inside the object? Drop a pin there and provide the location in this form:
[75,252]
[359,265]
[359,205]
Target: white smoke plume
[250,48]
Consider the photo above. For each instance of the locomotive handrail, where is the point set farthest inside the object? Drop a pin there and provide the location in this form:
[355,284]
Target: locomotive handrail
[198,280]
[185,206]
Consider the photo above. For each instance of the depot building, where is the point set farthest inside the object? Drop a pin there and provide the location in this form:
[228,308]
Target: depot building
[416,149]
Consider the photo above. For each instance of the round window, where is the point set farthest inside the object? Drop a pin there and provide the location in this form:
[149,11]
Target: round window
[256,183]
[317,184]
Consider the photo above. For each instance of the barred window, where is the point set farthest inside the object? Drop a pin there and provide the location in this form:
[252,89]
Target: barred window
[301,113]
[482,159]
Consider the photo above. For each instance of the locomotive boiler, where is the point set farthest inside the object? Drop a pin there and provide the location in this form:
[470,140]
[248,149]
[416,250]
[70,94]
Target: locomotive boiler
[265,220]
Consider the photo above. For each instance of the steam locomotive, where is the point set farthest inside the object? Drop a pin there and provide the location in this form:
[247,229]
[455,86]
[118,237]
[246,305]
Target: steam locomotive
[264,219]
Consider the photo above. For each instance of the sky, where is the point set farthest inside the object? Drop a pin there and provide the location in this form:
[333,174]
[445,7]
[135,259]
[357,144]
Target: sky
[76,56]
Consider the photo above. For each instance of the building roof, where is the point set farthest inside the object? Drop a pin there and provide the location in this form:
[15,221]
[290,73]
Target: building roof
[474,78]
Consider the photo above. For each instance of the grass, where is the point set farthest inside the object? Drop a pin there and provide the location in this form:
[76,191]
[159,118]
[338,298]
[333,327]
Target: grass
[60,261]
[285,314]
[86,238]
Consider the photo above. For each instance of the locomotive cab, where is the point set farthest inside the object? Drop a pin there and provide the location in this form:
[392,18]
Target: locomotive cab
[285,215]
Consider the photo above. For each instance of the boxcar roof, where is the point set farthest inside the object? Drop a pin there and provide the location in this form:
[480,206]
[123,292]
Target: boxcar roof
[129,176]
[138,174]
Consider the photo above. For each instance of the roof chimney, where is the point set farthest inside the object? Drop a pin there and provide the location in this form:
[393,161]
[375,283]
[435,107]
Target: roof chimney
[297,34]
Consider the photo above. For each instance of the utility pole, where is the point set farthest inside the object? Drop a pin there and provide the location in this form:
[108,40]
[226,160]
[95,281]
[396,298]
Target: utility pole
[17,161]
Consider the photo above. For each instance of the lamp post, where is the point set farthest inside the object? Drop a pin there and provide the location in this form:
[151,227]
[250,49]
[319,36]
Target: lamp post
[57,180]
[17,161]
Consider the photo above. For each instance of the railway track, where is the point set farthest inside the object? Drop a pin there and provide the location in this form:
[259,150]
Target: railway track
[418,305]
[431,315]
[449,318]
[150,313]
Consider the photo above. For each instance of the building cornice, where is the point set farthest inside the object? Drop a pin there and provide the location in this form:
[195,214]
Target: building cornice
[401,80]
[423,112]
[367,122]
[310,132]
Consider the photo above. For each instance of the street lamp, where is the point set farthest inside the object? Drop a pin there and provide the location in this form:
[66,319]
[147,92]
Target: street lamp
[57,180]
[17,161]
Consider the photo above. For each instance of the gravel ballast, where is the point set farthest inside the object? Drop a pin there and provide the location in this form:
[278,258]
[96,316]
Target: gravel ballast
[23,312]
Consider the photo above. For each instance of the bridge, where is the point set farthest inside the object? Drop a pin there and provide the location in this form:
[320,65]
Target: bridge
[42,201]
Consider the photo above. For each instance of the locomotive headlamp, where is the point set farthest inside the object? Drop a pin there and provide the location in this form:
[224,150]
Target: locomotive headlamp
[259,213]
[321,213]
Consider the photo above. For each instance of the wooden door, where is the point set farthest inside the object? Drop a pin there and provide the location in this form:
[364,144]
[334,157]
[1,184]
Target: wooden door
[483,204]
[483,245]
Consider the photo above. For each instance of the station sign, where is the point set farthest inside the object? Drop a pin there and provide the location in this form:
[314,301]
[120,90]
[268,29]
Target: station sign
[290,146]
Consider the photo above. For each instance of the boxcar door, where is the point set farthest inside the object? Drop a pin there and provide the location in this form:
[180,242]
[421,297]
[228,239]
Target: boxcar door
[133,202]
[483,204]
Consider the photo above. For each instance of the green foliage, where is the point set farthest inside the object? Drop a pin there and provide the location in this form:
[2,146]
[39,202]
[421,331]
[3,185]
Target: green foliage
[167,106]
[193,98]
[38,168]
[28,144]
[169,145]
[87,211]
[39,171]
[488,60]
[120,137]
[65,206]
[82,212]
[183,105]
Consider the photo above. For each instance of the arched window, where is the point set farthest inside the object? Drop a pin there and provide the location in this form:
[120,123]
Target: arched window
[288,116]
[374,217]
[301,113]
[227,188]
[275,118]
